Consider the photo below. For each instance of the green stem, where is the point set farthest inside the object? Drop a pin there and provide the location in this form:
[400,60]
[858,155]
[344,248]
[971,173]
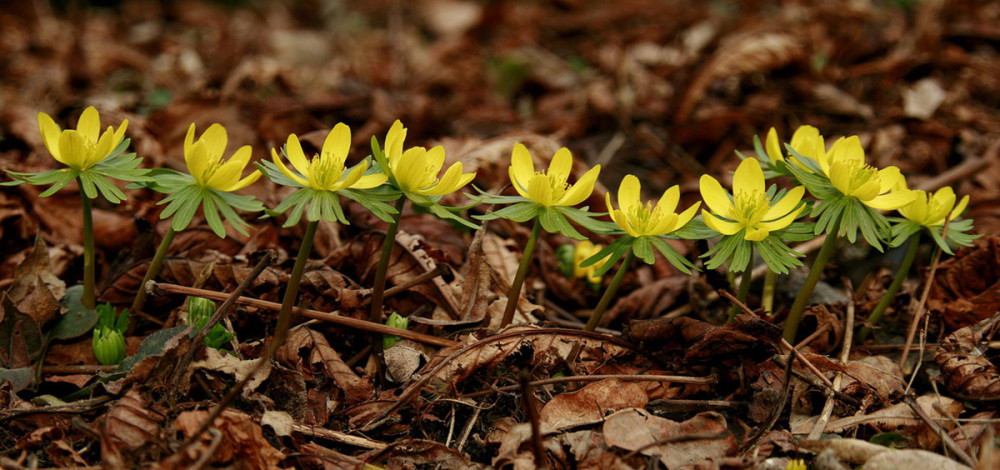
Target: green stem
[522,272]
[378,290]
[89,264]
[292,290]
[609,294]
[801,300]
[897,282]
[153,270]
[741,294]
[767,297]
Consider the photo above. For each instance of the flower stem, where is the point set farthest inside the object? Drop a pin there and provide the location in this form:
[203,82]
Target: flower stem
[799,306]
[378,290]
[609,294]
[292,290]
[153,270]
[89,264]
[767,297]
[741,294]
[522,272]
[897,282]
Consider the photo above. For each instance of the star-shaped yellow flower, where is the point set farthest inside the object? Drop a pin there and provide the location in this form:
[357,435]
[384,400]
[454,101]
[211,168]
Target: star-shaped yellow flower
[550,187]
[83,147]
[931,210]
[416,169]
[205,163]
[806,140]
[648,220]
[883,189]
[325,171]
[750,209]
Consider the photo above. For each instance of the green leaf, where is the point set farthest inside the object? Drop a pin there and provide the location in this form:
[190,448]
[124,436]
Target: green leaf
[447,213]
[374,202]
[78,319]
[586,219]
[520,213]
[554,222]
[643,249]
[613,252]
[671,255]
[695,229]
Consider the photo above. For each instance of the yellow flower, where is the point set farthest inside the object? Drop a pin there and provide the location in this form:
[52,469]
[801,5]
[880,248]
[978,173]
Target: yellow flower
[879,189]
[806,140]
[585,249]
[931,210]
[416,170]
[325,171]
[205,163]
[83,147]
[549,187]
[750,209]
[640,220]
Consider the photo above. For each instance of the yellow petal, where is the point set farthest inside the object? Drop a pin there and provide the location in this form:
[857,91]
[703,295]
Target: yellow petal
[293,150]
[562,164]
[715,197]
[580,191]
[188,142]
[891,178]
[72,151]
[724,227]
[616,215]
[198,161]
[449,182]
[338,141]
[89,125]
[628,192]
[892,201]
[394,143]
[370,181]
[225,176]
[540,191]
[684,217]
[749,177]
[120,134]
[434,160]
[782,222]
[773,147]
[756,234]
[959,208]
[215,139]
[245,181]
[50,133]
[786,204]
[409,171]
[666,224]
[352,178]
[669,200]
[522,168]
[103,148]
[284,169]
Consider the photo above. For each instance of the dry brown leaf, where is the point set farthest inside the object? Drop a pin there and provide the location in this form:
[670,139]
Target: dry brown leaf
[967,371]
[322,358]
[242,441]
[218,361]
[591,404]
[131,423]
[36,290]
[638,430]
[901,418]
[965,288]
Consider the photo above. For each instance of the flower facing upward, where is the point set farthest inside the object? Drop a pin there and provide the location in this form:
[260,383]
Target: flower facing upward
[585,249]
[648,220]
[931,210]
[879,189]
[83,147]
[806,140]
[416,170]
[549,187]
[325,171]
[750,209]
[205,163]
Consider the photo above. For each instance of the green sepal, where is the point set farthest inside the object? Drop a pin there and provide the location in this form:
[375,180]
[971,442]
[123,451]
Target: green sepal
[519,212]
[383,162]
[553,221]
[695,229]
[614,252]
[671,255]
[374,200]
[586,219]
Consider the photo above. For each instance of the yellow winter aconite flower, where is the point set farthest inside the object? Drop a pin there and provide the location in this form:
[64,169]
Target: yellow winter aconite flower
[931,210]
[806,140]
[883,189]
[205,163]
[550,187]
[416,169]
[651,220]
[325,171]
[585,249]
[750,209]
[83,147]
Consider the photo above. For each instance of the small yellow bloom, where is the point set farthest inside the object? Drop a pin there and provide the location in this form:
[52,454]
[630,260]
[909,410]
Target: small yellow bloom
[416,169]
[640,220]
[879,189]
[931,210]
[83,147]
[750,209]
[549,187]
[205,163]
[585,249]
[325,171]
[806,140]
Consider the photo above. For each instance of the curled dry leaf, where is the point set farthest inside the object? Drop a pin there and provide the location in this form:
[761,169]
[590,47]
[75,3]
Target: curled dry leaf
[966,288]
[131,423]
[873,380]
[826,321]
[901,418]
[968,372]
[36,290]
[242,442]
[591,404]
[702,438]
[220,362]
[320,357]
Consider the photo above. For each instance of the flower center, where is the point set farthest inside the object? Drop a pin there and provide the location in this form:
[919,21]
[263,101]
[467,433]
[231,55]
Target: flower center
[557,184]
[326,170]
[750,207]
[643,217]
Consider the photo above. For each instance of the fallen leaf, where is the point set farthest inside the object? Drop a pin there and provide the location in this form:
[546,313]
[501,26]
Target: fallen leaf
[639,431]
[591,404]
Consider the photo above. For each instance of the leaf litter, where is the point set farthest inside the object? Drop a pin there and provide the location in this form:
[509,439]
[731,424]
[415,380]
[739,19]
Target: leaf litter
[663,90]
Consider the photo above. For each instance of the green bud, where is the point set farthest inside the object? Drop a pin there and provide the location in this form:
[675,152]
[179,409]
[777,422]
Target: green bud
[108,345]
[396,321]
[200,309]
[565,255]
